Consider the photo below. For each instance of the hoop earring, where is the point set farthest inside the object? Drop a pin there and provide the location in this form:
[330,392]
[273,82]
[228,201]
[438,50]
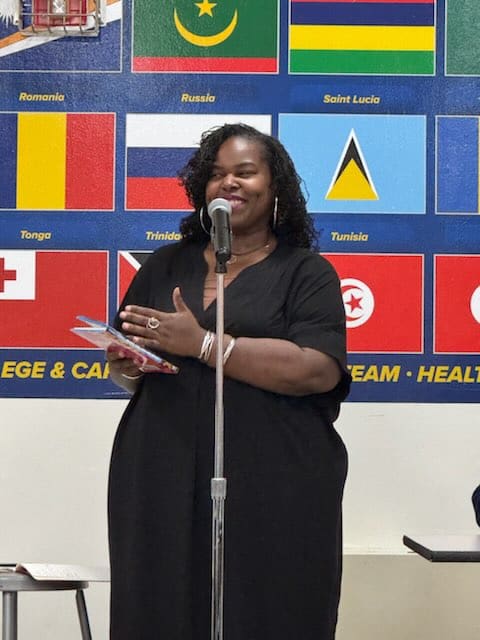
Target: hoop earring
[202,221]
[275,214]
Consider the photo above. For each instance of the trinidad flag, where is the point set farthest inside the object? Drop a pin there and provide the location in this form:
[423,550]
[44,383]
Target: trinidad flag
[218,37]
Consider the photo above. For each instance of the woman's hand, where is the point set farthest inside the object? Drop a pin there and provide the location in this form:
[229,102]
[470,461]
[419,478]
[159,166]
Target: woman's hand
[124,370]
[178,333]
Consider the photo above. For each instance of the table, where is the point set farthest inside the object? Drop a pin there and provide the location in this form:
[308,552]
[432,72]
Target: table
[445,548]
[11,583]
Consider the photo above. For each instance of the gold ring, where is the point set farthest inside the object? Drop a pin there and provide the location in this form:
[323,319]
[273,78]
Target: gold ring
[153,323]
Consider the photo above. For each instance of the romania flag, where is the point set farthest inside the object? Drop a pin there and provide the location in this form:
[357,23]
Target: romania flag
[391,37]
[57,161]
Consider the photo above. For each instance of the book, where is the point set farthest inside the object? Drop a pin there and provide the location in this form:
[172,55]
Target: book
[68,572]
[106,337]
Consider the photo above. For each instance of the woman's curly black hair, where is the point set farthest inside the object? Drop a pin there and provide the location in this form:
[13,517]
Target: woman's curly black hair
[294,225]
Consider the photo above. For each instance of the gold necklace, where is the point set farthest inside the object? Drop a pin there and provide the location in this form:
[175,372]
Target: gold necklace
[234,257]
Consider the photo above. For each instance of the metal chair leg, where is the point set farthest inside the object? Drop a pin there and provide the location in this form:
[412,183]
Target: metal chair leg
[82,615]
[9,622]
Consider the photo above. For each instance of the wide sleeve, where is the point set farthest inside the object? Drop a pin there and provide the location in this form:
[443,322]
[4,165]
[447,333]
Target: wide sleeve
[315,311]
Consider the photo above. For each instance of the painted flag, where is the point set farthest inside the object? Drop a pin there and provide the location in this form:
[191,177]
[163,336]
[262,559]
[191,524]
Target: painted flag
[57,161]
[159,145]
[42,292]
[58,53]
[232,36]
[462,48]
[383,298]
[457,304]
[458,172]
[129,262]
[382,37]
[359,163]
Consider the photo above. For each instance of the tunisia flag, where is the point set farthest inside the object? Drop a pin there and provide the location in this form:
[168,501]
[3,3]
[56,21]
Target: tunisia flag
[457,304]
[383,298]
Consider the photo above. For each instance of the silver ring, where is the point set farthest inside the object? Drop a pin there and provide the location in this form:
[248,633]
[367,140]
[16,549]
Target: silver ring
[153,323]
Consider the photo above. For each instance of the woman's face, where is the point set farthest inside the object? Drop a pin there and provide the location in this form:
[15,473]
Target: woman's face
[241,175]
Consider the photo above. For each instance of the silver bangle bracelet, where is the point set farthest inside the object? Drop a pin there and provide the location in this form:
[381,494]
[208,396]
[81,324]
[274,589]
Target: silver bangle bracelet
[124,375]
[228,351]
[207,346]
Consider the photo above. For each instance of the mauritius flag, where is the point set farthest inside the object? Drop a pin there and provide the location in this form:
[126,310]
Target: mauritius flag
[391,37]
[231,36]
[57,161]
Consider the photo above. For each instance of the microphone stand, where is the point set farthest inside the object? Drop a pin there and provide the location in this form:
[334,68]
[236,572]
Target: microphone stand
[218,482]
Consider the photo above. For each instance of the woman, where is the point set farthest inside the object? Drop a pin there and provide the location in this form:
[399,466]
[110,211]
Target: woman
[285,375]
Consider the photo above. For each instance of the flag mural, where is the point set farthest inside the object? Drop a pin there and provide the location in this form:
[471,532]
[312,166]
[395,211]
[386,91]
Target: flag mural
[159,145]
[58,161]
[232,36]
[383,299]
[386,37]
[20,52]
[94,131]
[129,262]
[458,176]
[462,47]
[457,304]
[42,292]
[359,163]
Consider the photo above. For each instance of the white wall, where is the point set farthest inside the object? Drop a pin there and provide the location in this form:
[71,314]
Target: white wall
[412,470]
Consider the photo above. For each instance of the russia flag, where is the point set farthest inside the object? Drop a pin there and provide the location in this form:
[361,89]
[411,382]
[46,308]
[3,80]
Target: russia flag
[159,145]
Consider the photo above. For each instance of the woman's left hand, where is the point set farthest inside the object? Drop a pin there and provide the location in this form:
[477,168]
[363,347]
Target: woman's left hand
[178,333]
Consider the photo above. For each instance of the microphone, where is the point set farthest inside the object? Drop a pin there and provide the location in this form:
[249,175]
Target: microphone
[220,211]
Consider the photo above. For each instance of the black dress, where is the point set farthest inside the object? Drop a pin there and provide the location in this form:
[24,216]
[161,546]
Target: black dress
[285,467]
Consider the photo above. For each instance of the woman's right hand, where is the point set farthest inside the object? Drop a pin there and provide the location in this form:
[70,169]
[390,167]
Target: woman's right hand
[124,370]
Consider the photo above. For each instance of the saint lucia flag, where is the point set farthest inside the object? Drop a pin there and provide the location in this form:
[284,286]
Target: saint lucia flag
[383,299]
[388,37]
[42,292]
[57,161]
[458,172]
[159,145]
[358,163]
[462,55]
[457,304]
[218,37]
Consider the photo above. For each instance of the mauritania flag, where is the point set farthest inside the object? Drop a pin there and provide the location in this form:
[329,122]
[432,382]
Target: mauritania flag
[54,161]
[383,37]
[458,175]
[226,36]
[159,145]
[457,304]
[42,292]
[462,56]
[359,163]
